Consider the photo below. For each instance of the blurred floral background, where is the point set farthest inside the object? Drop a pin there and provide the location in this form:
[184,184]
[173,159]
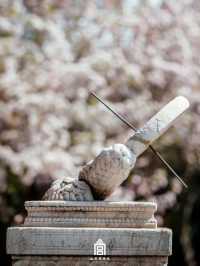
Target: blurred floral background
[137,55]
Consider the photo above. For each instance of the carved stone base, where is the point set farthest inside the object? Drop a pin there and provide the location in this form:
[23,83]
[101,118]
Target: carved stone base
[89,233]
[91,214]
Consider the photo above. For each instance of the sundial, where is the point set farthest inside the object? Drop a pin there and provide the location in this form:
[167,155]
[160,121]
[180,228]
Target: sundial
[64,227]
[101,176]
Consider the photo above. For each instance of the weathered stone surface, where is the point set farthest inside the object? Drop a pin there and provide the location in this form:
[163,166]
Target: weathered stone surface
[48,236]
[91,214]
[86,260]
[113,165]
[108,170]
[157,125]
[69,189]
[80,241]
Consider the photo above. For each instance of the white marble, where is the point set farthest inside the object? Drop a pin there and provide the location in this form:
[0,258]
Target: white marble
[157,125]
[100,177]
[102,214]
[80,241]
[50,237]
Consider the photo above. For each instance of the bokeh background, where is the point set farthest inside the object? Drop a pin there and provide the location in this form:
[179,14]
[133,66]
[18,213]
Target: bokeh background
[137,55]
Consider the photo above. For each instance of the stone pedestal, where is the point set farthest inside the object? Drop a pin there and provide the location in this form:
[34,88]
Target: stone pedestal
[58,233]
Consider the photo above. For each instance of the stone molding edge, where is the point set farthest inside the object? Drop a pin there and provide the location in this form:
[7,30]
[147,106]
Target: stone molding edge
[93,205]
[94,223]
[93,214]
[80,241]
[109,204]
[86,260]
